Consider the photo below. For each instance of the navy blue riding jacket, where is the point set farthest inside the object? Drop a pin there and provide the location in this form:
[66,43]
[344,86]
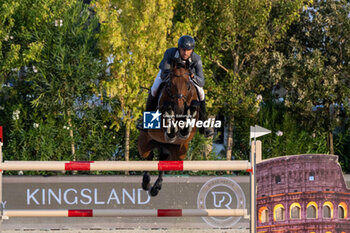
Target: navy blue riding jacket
[195,62]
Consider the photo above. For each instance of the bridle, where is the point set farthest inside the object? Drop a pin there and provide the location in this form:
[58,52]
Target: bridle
[168,86]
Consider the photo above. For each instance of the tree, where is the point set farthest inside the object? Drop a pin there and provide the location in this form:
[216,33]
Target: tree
[51,77]
[288,138]
[8,53]
[69,63]
[312,66]
[232,37]
[133,34]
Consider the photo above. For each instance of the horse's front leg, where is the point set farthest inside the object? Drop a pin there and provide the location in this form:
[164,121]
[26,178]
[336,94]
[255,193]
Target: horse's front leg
[157,185]
[146,180]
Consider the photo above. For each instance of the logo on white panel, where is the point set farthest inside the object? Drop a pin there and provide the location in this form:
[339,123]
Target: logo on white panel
[221,193]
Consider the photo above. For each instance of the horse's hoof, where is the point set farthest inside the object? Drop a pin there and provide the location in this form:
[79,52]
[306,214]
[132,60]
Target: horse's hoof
[154,191]
[169,138]
[183,134]
[156,187]
[146,186]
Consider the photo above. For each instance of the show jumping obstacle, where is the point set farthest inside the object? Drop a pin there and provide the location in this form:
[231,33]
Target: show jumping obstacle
[128,213]
[125,166]
[133,166]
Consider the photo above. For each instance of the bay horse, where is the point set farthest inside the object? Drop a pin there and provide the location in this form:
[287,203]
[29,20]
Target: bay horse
[178,101]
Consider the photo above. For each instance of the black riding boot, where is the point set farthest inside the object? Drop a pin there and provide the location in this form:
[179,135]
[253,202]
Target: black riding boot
[151,105]
[207,132]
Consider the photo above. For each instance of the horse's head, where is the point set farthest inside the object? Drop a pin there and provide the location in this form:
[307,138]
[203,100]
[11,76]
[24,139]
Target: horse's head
[179,87]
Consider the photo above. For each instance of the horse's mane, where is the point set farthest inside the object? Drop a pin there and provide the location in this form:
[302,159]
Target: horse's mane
[177,63]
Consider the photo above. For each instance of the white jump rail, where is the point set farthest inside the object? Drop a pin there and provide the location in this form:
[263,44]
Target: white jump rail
[127,213]
[125,166]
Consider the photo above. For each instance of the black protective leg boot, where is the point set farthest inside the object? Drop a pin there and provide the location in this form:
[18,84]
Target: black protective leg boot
[207,132]
[151,105]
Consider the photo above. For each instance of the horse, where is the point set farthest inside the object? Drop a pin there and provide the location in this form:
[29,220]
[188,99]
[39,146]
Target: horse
[178,101]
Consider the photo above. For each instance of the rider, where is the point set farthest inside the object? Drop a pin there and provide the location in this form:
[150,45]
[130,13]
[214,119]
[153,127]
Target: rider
[184,52]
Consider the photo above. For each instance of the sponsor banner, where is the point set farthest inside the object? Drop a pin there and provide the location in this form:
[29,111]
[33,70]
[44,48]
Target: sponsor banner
[125,192]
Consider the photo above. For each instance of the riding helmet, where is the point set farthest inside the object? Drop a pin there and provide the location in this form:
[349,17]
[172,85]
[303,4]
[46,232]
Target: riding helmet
[186,42]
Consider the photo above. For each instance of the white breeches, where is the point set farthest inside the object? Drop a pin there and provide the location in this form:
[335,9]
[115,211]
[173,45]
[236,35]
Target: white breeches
[158,81]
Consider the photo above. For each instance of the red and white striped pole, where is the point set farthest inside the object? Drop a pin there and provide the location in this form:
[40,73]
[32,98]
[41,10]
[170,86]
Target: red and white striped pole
[128,213]
[126,165]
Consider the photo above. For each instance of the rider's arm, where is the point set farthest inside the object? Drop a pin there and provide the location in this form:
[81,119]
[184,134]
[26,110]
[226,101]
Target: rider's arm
[165,64]
[198,75]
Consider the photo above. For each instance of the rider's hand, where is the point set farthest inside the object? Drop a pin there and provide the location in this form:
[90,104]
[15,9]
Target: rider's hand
[192,76]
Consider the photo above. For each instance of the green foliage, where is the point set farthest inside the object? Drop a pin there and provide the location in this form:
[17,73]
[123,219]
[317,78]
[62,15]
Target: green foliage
[292,139]
[134,34]
[94,138]
[19,19]
[232,35]
[68,62]
[310,66]
[342,146]
[198,148]
[46,105]
[39,141]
